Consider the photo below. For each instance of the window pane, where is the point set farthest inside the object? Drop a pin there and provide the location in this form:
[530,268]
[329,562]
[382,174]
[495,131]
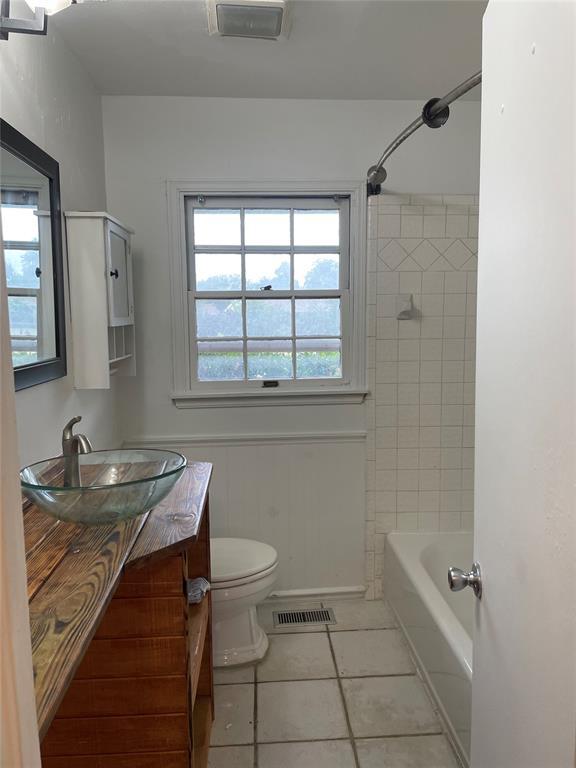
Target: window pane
[218,271]
[220,360]
[270,359]
[19,223]
[218,317]
[317,317]
[216,226]
[268,317]
[21,269]
[267,269]
[317,227]
[267,227]
[318,359]
[316,270]
[23,318]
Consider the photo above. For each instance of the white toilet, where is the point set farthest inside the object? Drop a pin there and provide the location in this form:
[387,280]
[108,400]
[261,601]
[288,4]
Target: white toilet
[243,574]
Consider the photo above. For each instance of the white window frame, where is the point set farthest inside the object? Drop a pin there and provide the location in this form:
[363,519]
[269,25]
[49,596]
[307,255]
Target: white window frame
[13,183]
[189,393]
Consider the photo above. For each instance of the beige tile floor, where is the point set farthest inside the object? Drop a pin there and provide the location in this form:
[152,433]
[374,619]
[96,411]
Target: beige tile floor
[331,696]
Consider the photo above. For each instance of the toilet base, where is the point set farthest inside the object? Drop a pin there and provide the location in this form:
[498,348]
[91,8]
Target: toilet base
[238,639]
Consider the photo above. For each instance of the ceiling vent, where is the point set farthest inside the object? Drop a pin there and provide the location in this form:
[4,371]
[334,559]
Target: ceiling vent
[262,19]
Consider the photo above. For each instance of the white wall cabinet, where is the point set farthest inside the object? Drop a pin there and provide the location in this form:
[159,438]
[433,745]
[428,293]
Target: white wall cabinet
[101,298]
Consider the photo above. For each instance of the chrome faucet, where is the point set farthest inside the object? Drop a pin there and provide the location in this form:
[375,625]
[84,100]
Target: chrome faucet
[72,446]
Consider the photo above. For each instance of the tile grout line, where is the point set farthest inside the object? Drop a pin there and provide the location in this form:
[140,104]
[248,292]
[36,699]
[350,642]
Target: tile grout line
[407,735]
[344,705]
[255,714]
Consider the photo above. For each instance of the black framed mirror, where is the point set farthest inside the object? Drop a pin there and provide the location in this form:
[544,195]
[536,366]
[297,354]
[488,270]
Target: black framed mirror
[32,247]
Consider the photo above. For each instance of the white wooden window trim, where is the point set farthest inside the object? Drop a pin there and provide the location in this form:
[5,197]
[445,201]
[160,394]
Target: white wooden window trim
[189,393]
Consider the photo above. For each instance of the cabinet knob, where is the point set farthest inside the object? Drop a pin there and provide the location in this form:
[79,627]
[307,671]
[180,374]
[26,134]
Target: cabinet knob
[114,273]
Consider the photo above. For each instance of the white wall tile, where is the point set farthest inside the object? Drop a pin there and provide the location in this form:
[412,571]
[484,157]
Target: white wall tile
[455,282]
[409,372]
[456,225]
[386,437]
[409,350]
[428,521]
[432,328]
[386,394]
[429,501]
[420,413]
[455,303]
[433,282]
[434,226]
[429,458]
[408,437]
[431,371]
[452,349]
[433,304]
[407,501]
[385,501]
[387,328]
[386,351]
[431,349]
[408,393]
[430,415]
[386,416]
[386,458]
[429,479]
[389,225]
[412,226]
[388,282]
[430,393]
[386,373]
[410,282]
[408,479]
[409,329]
[408,458]
[430,437]
[386,306]
[450,501]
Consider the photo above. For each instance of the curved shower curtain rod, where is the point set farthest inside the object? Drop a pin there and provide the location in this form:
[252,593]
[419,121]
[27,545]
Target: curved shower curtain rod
[434,115]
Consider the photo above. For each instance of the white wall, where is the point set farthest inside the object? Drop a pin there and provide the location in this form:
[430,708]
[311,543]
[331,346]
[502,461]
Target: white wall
[47,96]
[150,140]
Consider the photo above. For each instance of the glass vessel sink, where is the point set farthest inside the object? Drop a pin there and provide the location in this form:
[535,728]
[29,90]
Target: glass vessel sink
[109,486]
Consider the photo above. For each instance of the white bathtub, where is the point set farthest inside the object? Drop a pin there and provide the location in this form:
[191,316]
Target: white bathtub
[438,623]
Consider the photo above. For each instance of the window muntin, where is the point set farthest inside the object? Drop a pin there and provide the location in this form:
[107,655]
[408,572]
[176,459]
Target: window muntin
[268,283]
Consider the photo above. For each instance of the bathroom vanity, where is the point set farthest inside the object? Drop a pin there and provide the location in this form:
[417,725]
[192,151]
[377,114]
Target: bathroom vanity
[122,661]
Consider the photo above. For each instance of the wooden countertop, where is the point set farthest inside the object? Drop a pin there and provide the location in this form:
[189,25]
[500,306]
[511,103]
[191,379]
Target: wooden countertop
[73,571]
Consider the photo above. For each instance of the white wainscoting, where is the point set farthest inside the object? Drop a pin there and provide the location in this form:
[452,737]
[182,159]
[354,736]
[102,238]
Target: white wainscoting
[302,493]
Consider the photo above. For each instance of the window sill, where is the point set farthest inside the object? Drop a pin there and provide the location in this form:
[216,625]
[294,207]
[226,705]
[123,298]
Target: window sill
[268,398]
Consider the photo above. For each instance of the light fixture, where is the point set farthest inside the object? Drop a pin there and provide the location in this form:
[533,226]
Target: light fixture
[264,19]
[36,26]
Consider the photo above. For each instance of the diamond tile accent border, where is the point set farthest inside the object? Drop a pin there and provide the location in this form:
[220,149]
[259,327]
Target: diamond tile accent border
[421,372]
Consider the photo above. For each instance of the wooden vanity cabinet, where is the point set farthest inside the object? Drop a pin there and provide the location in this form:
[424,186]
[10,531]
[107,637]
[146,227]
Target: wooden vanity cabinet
[141,695]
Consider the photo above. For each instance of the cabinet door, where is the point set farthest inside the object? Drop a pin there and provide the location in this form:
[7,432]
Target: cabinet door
[119,275]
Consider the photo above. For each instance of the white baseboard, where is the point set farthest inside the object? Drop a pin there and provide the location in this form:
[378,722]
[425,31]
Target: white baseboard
[319,593]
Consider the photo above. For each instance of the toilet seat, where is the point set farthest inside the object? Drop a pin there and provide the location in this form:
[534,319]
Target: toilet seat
[240,561]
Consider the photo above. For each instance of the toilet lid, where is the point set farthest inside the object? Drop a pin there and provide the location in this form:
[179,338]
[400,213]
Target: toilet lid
[233,559]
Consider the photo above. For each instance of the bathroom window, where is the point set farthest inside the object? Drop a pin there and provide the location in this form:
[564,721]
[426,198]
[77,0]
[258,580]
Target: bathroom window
[269,294]
[19,208]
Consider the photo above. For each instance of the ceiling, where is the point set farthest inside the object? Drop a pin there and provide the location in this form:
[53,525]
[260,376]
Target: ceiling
[337,49]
